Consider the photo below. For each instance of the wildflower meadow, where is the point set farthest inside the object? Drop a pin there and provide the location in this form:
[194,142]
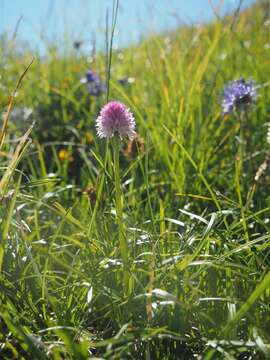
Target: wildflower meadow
[134,195]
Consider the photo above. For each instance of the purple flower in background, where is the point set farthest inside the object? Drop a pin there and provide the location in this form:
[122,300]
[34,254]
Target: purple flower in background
[237,95]
[94,83]
[115,117]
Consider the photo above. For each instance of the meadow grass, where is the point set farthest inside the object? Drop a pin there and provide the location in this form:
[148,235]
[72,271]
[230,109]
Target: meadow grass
[195,218]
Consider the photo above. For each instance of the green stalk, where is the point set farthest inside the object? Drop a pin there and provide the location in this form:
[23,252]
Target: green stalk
[240,171]
[241,149]
[119,203]
[99,192]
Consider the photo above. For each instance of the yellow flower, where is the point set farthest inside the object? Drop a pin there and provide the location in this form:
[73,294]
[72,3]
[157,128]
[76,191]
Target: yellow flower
[89,137]
[64,155]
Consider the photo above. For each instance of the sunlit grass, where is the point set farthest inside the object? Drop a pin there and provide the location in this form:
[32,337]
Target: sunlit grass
[196,281]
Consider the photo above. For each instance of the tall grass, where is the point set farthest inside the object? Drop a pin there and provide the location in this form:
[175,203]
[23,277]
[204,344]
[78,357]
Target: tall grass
[198,244]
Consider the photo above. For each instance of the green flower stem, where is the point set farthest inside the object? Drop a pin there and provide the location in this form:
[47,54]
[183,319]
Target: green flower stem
[119,203]
[241,140]
[240,172]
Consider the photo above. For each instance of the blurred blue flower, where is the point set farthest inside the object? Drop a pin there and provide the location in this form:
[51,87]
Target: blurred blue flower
[237,95]
[94,83]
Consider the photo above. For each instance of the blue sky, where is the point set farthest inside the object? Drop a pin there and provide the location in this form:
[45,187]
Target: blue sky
[45,21]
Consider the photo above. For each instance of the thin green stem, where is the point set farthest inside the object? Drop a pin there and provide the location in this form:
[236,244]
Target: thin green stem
[240,171]
[241,149]
[109,45]
[119,203]
[99,192]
